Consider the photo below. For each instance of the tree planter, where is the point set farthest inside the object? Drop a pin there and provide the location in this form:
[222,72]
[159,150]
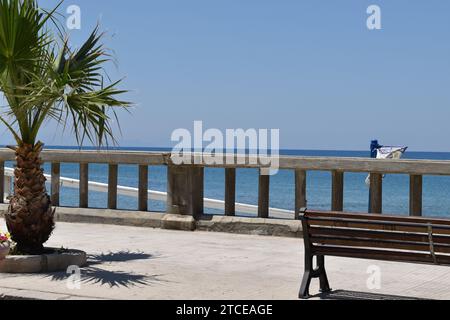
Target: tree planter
[52,262]
[4,250]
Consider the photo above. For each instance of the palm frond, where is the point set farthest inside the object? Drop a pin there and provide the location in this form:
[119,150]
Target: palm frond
[43,80]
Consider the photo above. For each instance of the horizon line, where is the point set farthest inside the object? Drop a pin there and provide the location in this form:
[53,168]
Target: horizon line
[169,148]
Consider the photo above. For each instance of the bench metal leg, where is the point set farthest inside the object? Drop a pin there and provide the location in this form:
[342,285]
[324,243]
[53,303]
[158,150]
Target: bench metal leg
[304,290]
[324,285]
[307,277]
[311,273]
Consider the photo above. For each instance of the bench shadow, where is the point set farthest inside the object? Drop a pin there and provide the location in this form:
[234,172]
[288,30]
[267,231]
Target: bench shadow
[93,273]
[355,295]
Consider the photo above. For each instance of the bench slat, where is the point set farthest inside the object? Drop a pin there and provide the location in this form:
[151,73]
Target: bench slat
[375,217]
[378,235]
[384,244]
[372,254]
[377,225]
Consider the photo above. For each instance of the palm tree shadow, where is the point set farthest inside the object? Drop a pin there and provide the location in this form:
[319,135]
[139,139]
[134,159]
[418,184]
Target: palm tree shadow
[93,274]
[113,279]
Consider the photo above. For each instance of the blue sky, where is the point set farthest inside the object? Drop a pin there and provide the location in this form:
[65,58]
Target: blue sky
[309,68]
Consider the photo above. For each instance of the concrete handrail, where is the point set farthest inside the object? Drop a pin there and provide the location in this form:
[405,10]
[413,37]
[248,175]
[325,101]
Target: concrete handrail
[363,165]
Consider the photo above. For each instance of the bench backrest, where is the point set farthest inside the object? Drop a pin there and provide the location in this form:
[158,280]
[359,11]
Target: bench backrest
[377,237]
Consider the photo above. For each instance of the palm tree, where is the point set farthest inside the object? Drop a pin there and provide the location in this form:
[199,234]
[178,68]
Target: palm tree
[43,80]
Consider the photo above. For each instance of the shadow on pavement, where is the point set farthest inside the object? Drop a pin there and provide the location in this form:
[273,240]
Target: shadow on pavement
[93,274]
[122,256]
[354,295]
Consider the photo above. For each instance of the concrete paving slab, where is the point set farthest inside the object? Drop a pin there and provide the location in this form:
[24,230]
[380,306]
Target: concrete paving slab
[141,263]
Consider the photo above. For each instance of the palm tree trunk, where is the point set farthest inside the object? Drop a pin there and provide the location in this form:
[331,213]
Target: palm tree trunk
[30,218]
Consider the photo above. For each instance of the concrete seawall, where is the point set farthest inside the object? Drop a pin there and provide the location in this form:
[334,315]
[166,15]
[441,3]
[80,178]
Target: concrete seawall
[209,223]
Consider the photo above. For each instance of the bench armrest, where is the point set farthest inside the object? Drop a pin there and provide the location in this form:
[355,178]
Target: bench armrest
[302,214]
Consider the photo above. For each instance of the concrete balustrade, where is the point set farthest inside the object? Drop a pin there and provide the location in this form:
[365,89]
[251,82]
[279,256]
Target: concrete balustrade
[185,183]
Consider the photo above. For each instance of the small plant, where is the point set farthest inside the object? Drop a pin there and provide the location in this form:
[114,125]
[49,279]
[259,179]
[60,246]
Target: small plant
[5,244]
[5,238]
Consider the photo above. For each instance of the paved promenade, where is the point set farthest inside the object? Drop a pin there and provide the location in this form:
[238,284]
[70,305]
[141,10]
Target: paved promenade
[140,263]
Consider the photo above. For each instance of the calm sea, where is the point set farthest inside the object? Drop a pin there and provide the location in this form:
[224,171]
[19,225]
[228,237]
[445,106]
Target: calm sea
[436,200]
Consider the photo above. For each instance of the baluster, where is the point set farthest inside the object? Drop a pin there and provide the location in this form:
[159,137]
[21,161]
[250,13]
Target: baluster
[230,192]
[337,198]
[55,184]
[264,194]
[112,186]
[300,191]
[143,188]
[2,181]
[415,195]
[376,193]
[84,185]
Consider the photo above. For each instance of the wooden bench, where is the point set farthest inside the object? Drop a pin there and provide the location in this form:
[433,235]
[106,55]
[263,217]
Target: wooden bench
[369,236]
